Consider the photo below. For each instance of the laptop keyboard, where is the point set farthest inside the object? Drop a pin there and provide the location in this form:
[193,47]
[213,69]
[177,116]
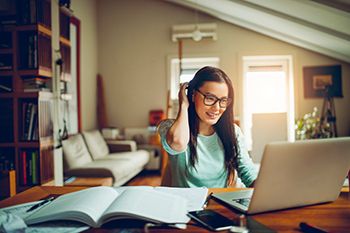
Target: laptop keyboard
[242,201]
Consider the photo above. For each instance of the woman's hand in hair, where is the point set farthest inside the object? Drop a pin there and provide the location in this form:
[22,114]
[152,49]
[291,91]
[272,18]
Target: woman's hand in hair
[183,100]
[179,133]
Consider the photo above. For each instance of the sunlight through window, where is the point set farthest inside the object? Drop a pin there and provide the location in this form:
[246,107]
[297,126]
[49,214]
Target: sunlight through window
[268,101]
[267,92]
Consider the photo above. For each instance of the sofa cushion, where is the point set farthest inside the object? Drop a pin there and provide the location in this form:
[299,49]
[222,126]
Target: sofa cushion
[75,152]
[137,158]
[96,144]
[120,166]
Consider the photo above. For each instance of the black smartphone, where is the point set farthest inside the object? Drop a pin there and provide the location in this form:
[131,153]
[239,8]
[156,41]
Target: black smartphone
[211,220]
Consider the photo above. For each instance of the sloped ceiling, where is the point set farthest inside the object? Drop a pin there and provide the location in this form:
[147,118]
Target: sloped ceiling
[308,24]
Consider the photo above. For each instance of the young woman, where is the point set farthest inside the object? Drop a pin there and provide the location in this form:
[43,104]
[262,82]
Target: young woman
[205,148]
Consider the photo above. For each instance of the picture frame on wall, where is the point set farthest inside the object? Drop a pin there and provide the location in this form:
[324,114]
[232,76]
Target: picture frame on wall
[319,79]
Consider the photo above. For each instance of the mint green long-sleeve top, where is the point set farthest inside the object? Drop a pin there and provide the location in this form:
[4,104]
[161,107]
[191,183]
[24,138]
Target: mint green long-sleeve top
[209,171]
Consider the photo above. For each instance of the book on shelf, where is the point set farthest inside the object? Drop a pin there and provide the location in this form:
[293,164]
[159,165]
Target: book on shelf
[6,162]
[36,84]
[24,167]
[5,88]
[33,112]
[35,50]
[34,167]
[98,205]
[26,112]
[33,11]
[29,167]
[44,89]
[29,121]
[27,11]
[5,67]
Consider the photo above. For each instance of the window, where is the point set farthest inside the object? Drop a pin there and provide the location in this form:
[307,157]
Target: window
[267,94]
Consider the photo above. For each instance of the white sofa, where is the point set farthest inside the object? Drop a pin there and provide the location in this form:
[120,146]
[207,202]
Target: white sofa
[88,155]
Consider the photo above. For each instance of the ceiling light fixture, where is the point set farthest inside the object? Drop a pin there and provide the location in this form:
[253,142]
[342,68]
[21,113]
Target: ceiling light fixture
[195,32]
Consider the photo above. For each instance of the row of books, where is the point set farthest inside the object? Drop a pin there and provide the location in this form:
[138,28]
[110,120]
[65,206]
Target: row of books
[30,126]
[44,57]
[64,23]
[6,162]
[28,47]
[36,84]
[30,57]
[28,85]
[29,167]
[33,11]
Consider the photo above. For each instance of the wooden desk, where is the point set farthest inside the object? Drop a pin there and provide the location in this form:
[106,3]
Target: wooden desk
[334,217]
[91,181]
[86,181]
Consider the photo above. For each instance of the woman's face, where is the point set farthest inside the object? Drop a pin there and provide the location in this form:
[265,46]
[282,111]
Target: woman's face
[209,115]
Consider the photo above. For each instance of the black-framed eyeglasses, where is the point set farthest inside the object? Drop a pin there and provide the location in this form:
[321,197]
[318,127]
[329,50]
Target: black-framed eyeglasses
[211,100]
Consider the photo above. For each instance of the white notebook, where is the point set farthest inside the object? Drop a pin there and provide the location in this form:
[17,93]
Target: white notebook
[98,205]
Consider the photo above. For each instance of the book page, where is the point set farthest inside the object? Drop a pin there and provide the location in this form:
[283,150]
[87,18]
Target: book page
[141,187]
[195,196]
[148,205]
[85,206]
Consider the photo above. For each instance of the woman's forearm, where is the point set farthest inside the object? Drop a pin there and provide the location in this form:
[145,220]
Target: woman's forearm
[179,133]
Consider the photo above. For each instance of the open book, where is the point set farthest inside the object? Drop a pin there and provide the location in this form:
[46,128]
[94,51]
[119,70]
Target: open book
[98,205]
[195,197]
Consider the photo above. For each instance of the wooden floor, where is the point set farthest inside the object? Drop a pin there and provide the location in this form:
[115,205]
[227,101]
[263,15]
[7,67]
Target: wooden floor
[151,178]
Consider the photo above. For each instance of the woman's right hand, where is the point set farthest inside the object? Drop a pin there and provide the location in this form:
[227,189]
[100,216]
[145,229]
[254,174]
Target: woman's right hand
[178,135]
[183,100]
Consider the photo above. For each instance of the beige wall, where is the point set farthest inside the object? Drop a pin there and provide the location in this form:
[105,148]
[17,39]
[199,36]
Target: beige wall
[133,46]
[85,10]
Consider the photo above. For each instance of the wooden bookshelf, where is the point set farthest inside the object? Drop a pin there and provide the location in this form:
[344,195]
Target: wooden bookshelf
[65,46]
[65,49]
[26,130]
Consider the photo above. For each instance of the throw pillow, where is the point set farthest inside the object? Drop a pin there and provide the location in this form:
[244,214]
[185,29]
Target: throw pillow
[75,152]
[96,144]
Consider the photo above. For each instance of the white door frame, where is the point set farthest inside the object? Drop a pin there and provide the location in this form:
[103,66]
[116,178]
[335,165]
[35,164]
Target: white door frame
[287,62]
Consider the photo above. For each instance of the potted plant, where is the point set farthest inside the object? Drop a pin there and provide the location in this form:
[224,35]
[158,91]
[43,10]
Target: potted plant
[309,127]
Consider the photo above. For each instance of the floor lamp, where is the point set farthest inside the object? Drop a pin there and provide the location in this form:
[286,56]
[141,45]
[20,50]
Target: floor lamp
[328,113]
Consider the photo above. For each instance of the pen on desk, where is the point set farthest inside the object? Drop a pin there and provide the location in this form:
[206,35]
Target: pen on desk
[307,228]
[40,204]
[207,200]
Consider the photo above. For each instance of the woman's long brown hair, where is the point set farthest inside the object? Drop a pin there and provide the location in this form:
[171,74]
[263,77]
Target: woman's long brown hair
[224,127]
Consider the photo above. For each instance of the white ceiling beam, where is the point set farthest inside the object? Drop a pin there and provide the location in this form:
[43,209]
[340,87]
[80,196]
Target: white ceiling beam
[239,13]
[312,12]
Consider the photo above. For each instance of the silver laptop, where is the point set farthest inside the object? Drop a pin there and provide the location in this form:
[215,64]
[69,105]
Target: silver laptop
[295,174]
